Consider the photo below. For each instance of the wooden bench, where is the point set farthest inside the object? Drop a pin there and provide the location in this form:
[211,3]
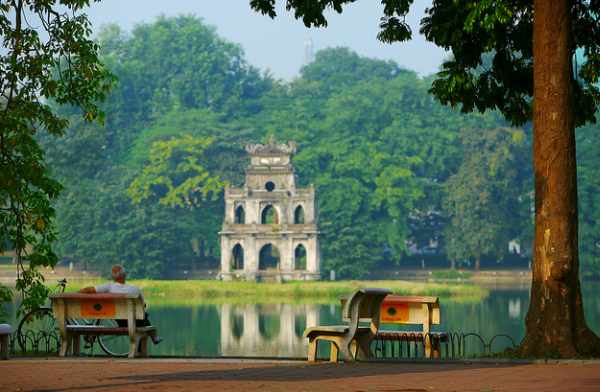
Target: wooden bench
[5,331]
[129,307]
[363,305]
[423,311]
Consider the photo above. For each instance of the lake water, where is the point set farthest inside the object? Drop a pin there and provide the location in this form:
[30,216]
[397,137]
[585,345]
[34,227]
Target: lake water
[273,328]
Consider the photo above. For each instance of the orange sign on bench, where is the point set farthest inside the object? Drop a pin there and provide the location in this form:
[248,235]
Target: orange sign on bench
[97,308]
[394,313]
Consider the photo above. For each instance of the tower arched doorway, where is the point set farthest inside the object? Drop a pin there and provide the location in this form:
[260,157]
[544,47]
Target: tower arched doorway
[300,257]
[269,257]
[238,257]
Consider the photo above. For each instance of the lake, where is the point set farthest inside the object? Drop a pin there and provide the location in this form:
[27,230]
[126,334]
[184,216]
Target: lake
[228,327]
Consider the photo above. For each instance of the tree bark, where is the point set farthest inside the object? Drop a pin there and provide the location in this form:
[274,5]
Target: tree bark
[555,322]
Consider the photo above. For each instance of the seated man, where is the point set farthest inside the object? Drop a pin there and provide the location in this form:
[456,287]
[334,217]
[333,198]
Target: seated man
[119,286]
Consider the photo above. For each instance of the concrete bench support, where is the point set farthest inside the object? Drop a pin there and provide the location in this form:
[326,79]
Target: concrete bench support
[363,305]
[5,332]
[100,306]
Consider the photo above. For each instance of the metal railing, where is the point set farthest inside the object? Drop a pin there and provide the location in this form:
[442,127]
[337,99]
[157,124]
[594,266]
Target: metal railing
[443,345]
[29,343]
[400,345]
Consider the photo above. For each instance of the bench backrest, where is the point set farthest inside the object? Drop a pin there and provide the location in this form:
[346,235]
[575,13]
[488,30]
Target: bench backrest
[94,306]
[410,310]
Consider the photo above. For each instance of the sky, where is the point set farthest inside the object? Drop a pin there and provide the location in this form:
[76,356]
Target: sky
[278,45]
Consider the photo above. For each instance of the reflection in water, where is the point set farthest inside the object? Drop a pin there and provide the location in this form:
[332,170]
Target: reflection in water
[514,308]
[266,330]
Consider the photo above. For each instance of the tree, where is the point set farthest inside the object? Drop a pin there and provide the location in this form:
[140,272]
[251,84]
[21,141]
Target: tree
[533,58]
[175,63]
[176,174]
[360,145]
[336,68]
[47,57]
[483,193]
[176,185]
[556,289]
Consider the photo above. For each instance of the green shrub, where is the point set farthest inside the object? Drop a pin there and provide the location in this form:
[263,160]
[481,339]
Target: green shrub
[450,274]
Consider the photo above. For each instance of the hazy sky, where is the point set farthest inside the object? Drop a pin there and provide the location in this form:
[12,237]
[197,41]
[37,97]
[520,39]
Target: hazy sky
[279,44]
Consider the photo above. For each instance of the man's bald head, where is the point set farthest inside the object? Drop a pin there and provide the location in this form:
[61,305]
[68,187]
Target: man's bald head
[117,273]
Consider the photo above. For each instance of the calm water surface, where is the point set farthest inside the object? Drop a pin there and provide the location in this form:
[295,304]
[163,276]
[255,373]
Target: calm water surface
[192,327]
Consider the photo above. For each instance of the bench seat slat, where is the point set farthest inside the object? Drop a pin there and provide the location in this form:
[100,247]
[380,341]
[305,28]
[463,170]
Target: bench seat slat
[332,328]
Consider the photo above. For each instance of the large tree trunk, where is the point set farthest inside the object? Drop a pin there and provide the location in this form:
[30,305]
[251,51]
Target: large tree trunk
[555,321]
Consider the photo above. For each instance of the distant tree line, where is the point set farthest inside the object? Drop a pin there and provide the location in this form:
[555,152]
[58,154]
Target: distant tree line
[392,165]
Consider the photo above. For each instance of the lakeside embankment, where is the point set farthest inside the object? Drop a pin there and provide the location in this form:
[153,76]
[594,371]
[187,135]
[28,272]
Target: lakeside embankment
[311,290]
[210,288]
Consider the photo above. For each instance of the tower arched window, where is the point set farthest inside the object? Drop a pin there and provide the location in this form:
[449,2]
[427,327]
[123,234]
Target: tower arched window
[299,215]
[240,215]
[238,257]
[269,215]
[300,257]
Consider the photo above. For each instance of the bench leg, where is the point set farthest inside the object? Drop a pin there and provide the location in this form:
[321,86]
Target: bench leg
[65,345]
[337,345]
[312,349]
[355,349]
[334,352]
[427,346]
[436,348]
[363,344]
[144,346]
[5,353]
[344,346]
[132,349]
[76,344]
[64,348]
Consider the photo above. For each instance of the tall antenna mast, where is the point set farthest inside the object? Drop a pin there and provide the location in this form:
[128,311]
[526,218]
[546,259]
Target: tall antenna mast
[308,51]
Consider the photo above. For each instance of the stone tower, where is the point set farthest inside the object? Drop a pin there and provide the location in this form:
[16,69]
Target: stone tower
[271,227]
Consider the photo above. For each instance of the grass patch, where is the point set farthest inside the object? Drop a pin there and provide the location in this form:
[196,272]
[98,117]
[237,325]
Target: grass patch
[450,274]
[278,291]
[508,353]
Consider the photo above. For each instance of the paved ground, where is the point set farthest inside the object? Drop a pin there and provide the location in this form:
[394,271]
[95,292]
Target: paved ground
[179,374]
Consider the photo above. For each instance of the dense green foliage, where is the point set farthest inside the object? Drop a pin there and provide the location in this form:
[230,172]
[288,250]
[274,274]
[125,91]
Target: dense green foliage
[47,55]
[487,194]
[392,165]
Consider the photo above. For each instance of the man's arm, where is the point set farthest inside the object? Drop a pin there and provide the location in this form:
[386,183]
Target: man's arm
[88,290]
